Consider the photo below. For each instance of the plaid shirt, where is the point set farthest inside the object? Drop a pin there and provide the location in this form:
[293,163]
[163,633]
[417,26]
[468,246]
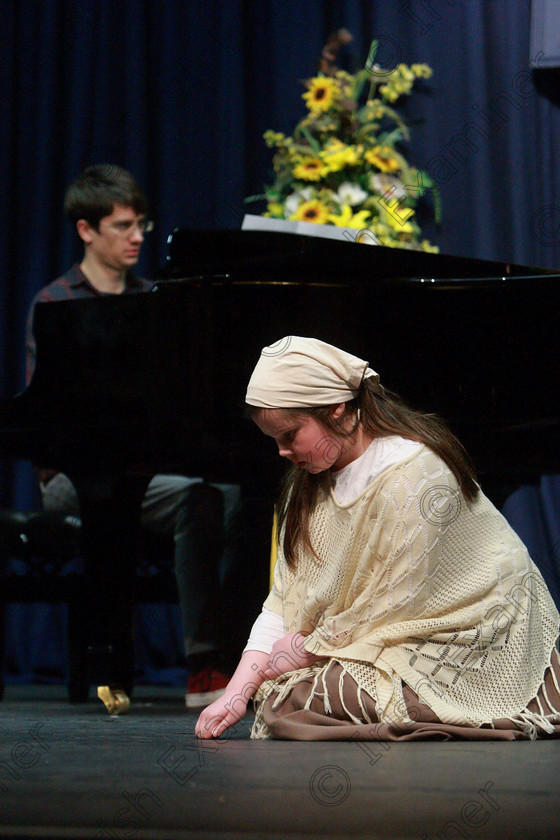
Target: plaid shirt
[74,284]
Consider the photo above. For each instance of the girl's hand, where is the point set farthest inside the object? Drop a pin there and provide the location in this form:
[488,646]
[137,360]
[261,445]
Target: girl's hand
[288,654]
[231,707]
[220,715]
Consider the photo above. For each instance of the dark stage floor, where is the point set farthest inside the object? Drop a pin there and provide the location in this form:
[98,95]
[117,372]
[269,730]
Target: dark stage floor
[75,772]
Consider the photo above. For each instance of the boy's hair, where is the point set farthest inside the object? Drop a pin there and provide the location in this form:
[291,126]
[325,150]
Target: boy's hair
[94,193]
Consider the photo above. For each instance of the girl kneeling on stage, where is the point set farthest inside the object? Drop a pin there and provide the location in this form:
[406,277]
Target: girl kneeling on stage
[404,606]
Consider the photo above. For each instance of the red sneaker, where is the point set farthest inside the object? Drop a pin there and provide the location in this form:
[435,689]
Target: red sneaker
[205,686]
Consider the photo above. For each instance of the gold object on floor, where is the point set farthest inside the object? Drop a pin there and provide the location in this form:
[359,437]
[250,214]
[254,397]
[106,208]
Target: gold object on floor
[116,700]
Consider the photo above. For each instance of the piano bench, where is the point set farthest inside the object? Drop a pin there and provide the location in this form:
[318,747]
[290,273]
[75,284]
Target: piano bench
[40,563]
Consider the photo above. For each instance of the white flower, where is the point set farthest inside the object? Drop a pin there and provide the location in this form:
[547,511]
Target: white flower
[387,183]
[294,200]
[352,194]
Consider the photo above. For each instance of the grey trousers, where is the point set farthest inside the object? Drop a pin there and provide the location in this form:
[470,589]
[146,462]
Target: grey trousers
[201,519]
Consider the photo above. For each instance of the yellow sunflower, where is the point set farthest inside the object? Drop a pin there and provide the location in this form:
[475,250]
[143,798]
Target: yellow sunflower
[349,219]
[322,92]
[427,246]
[382,157]
[337,155]
[398,215]
[275,210]
[312,211]
[422,71]
[310,169]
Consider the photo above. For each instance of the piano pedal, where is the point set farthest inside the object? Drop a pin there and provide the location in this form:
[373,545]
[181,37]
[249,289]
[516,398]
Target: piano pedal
[116,700]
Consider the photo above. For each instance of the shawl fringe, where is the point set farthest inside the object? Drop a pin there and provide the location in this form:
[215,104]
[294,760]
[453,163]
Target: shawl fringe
[535,723]
[532,723]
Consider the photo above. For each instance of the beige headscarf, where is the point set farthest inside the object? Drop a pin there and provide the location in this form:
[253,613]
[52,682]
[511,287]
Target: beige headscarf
[298,372]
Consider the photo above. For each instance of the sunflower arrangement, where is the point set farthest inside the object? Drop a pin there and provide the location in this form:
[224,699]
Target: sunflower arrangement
[344,164]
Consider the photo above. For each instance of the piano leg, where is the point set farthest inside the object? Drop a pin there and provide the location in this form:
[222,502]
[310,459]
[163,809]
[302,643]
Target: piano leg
[101,616]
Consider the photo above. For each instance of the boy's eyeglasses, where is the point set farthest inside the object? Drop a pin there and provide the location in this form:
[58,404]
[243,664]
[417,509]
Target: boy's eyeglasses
[127,228]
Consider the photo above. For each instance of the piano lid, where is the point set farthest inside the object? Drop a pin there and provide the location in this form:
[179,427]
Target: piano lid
[474,340]
[285,257]
[158,380]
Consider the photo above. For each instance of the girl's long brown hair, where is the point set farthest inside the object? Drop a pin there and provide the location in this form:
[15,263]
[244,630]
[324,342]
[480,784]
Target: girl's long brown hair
[381,413]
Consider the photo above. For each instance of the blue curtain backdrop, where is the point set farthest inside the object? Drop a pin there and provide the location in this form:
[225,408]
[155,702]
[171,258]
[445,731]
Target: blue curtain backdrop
[181,91]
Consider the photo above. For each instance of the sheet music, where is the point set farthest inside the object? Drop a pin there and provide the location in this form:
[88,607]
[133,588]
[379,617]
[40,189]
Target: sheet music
[341,234]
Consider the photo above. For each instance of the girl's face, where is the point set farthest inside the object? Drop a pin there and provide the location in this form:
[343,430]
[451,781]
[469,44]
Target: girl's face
[305,441]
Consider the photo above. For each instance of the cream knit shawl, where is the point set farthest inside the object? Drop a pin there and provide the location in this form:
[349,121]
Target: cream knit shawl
[428,589]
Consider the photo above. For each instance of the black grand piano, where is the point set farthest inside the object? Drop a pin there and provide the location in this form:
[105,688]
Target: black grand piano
[156,382]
